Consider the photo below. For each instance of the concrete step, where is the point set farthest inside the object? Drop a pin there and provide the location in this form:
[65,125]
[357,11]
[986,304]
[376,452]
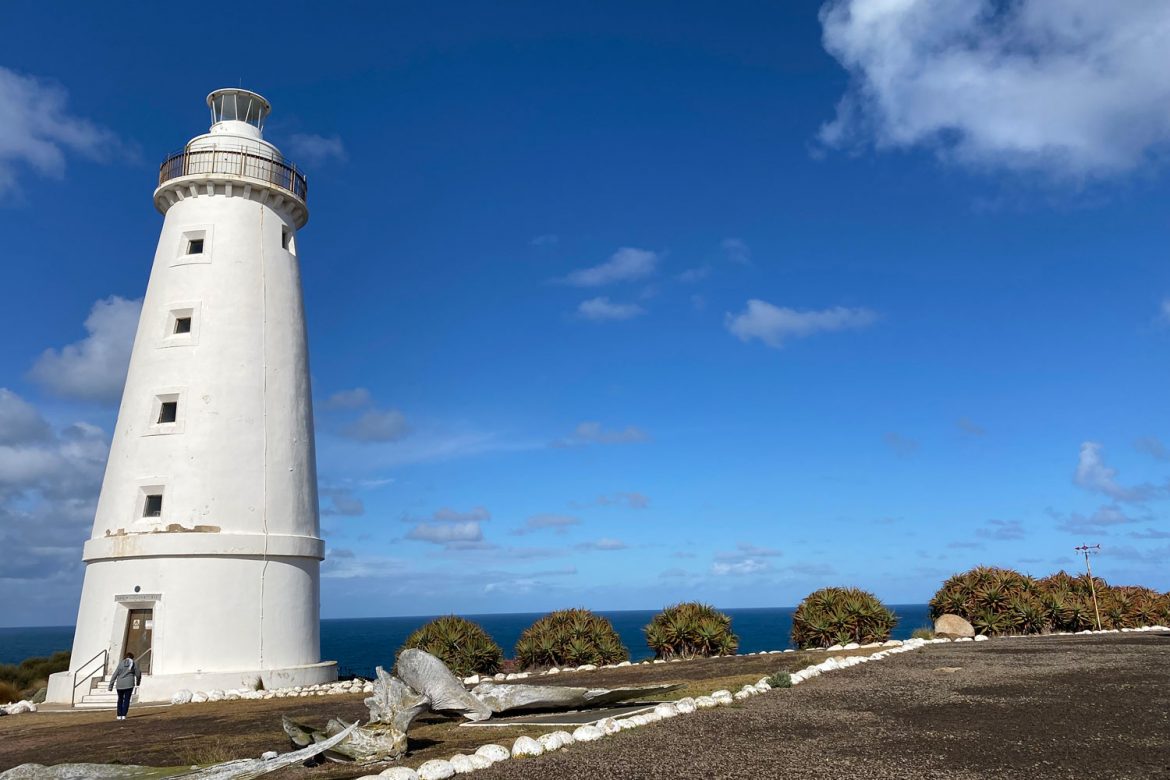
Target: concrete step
[106,700]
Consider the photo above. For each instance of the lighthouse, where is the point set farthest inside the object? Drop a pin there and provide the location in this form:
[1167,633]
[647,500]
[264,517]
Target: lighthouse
[205,554]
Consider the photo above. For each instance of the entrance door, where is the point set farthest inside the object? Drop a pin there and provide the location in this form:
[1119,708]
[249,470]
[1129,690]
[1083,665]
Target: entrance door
[139,628]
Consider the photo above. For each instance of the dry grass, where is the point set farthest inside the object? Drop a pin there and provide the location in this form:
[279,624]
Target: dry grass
[8,693]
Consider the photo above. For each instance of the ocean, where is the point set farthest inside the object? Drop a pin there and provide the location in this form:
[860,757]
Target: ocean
[360,644]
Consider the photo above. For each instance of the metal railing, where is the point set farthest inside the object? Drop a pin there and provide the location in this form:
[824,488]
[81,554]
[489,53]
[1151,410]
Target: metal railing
[245,164]
[143,661]
[105,656]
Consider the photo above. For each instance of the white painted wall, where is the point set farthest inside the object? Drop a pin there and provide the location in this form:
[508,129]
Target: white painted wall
[234,559]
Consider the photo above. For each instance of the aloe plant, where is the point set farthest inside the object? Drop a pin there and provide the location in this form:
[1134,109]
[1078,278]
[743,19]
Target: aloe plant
[570,637]
[832,616]
[461,644]
[690,630]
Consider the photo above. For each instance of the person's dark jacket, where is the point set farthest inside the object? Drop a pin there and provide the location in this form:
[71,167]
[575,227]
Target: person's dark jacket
[126,676]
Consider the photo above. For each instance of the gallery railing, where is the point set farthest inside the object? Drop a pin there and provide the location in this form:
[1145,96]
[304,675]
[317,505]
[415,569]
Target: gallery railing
[242,163]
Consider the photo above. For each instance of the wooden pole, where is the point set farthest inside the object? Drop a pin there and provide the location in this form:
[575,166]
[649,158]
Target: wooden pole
[1092,587]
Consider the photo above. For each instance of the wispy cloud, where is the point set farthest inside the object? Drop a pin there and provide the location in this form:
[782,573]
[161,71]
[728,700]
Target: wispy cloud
[1100,521]
[692,275]
[547,239]
[736,251]
[1075,88]
[377,425]
[37,131]
[543,522]
[592,432]
[93,369]
[1001,530]
[602,309]
[312,149]
[1152,446]
[631,500]
[347,400]
[624,265]
[601,545]
[1093,474]
[970,427]
[774,325]
[902,446]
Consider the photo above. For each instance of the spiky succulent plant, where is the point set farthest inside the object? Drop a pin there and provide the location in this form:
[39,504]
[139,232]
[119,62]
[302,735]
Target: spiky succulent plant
[690,630]
[995,601]
[831,616]
[570,637]
[461,644]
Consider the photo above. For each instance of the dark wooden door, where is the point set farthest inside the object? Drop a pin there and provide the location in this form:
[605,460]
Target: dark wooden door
[139,628]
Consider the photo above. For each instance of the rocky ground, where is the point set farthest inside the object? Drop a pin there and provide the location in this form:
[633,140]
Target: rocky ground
[1061,707]
[1046,707]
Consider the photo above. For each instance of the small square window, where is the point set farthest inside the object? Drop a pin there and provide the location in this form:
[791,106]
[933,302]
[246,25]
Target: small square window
[168,412]
[153,505]
[195,246]
[285,238]
[182,324]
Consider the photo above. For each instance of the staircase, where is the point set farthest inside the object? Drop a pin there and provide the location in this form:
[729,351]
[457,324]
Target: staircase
[99,697]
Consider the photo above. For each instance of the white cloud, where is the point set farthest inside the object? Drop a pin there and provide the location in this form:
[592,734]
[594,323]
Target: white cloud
[624,265]
[37,131]
[1152,446]
[747,550]
[602,545]
[1070,88]
[602,309]
[446,533]
[1164,312]
[93,369]
[559,523]
[476,514]
[631,500]
[312,149]
[49,481]
[774,325]
[739,568]
[692,275]
[736,251]
[1001,530]
[592,432]
[546,239]
[20,422]
[357,398]
[377,425]
[1095,475]
[1102,519]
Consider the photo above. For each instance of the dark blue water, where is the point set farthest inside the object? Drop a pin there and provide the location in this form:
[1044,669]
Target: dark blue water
[360,644]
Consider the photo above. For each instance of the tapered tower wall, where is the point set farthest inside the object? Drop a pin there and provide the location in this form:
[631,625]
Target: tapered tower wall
[207,521]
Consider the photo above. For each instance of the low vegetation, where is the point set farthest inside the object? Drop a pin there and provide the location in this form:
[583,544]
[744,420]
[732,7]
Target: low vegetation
[690,630]
[838,616]
[461,644]
[1002,601]
[570,637]
[23,680]
[780,680]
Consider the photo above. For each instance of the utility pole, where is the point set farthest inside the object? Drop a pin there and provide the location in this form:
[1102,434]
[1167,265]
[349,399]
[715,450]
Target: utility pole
[1086,550]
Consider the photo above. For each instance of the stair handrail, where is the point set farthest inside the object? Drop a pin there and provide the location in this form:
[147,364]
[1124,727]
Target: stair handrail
[105,656]
[143,657]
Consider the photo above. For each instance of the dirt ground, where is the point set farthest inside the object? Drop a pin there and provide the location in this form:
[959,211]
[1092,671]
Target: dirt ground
[211,732]
[1052,707]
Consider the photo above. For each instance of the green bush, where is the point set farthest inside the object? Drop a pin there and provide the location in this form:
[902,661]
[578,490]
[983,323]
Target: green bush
[464,646]
[9,693]
[690,630]
[924,632]
[570,637]
[780,680]
[33,673]
[995,601]
[832,616]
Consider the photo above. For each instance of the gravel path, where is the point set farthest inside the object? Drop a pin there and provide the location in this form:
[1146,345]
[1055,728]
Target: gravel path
[1052,707]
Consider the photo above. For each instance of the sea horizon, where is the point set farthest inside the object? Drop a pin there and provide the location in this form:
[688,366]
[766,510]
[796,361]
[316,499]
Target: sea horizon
[359,644]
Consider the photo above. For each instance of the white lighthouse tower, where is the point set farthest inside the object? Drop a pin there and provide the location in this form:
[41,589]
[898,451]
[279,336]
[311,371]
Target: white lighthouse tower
[205,553]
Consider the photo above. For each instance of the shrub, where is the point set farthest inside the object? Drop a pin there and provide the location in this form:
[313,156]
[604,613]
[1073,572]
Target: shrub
[1067,601]
[32,673]
[780,680]
[464,646]
[922,633]
[690,630]
[9,693]
[570,637]
[995,601]
[832,616]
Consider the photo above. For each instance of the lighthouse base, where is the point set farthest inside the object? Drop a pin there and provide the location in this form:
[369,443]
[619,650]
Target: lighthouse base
[158,688]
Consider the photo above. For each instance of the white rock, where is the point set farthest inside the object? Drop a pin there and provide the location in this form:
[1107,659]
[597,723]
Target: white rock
[436,769]
[182,696]
[685,706]
[369,688]
[851,646]
[479,762]
[553,670]
[722,698]
[232,696]
[608,726]
[623,663]
[472,680]
[627,723]
[586,668]
[566,738]
[550,742]
[268,755]
[588,734]
[461,764]
[834,648]
[762,687]
[893,643]
[510,676]
[20,707]
[790,650]
[640,719]
[981,638]
[705,703]
[667,710]
[499,676]
[199,697]
[650,717]
[400,773]
[493,753]
[658,661]
[525,747]
[741,696]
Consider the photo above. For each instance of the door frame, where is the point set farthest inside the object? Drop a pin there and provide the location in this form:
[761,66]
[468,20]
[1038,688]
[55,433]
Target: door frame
[123,603]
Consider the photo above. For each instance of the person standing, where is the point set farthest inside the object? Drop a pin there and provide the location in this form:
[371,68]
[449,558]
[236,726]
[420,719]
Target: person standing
[126,678]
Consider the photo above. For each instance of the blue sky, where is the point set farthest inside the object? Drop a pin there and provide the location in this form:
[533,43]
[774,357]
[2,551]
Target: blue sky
[614,306]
